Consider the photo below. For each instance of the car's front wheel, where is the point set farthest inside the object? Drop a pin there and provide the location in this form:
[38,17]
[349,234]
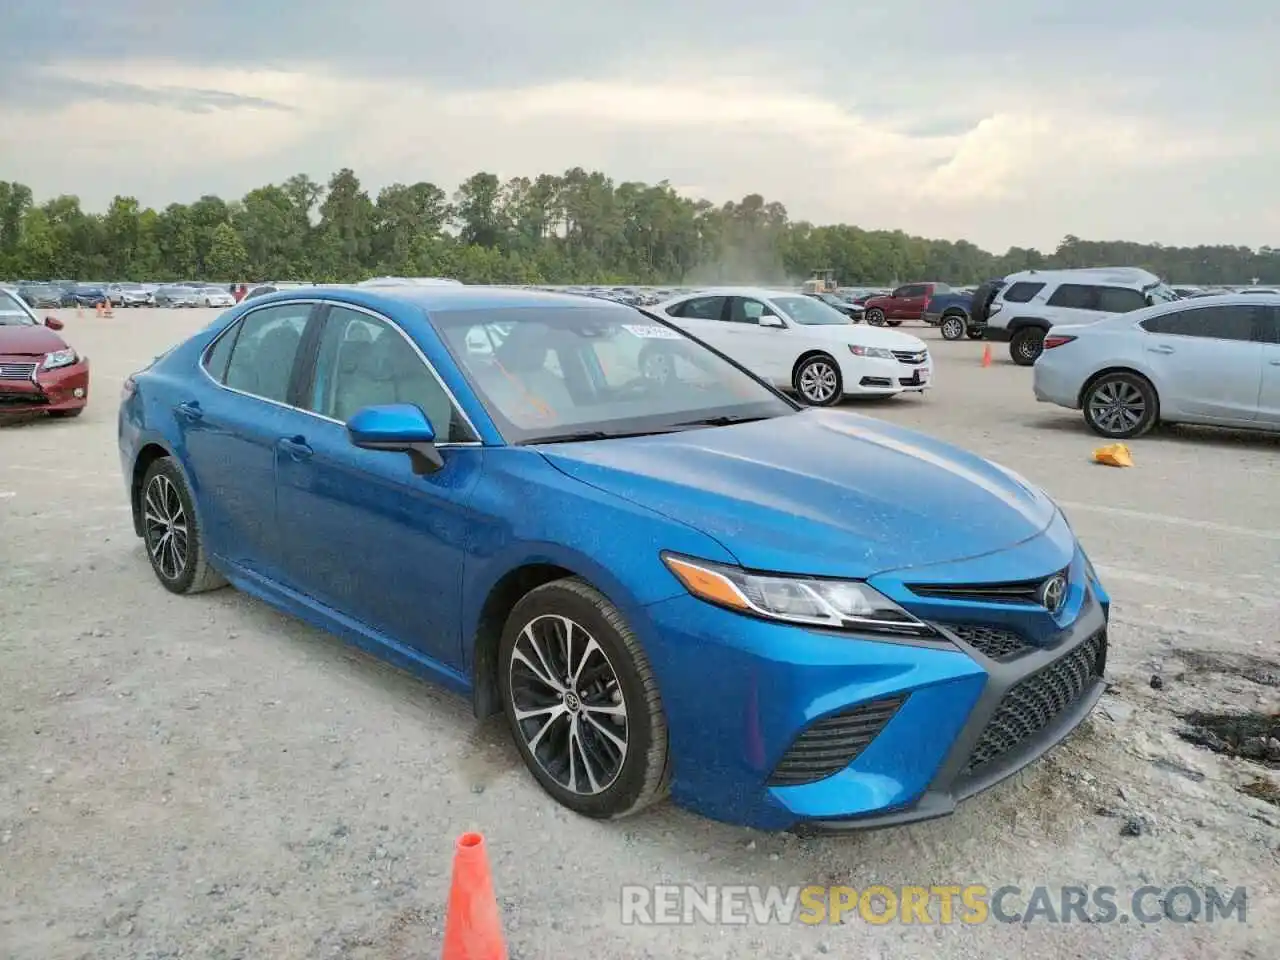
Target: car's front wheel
[1026,346]
[875,317]
[582,701]
[171,531]
[1120,405]
[818,381]
[953,327]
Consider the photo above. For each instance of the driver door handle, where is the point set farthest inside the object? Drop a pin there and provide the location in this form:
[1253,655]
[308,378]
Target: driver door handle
[297,448]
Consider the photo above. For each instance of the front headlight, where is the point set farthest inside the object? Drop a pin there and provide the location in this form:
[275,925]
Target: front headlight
[59,358]
[834,604]
[873,353]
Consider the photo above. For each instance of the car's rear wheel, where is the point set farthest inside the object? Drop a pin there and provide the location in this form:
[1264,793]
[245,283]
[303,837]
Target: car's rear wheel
[171,531]
[1026,346]
[582,701]
[953,327]
[875,317]
[818,381]
[1120,405]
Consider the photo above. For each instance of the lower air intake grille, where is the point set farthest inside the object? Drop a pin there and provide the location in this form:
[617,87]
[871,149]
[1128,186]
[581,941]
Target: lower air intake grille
[834,742]
[994,642]
[1037,701]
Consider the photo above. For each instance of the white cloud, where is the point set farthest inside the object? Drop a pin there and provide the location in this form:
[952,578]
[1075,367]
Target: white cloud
[1020,176]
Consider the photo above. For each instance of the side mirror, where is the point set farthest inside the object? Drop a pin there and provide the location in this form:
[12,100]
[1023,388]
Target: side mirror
[771,320]
[397,428]
[53,323]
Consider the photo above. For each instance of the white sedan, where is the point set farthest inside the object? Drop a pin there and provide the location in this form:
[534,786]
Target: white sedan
[1208,360]
[215,297]
[798,343]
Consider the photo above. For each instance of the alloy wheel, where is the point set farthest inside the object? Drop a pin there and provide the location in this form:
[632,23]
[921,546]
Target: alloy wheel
[568,704]
[1117,406]
[818,381]
[165,527]
[952,328]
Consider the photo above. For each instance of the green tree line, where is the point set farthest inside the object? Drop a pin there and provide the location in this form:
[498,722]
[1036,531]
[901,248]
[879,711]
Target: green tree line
[577,227]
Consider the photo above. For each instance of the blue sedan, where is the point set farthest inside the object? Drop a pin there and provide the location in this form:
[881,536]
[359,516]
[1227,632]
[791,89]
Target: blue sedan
[670,578]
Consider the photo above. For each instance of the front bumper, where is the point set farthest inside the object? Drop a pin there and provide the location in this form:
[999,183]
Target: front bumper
[65,388]
[866,376]
[956,722]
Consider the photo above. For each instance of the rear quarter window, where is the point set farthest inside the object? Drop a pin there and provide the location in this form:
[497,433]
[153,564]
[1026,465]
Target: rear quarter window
[1023,291]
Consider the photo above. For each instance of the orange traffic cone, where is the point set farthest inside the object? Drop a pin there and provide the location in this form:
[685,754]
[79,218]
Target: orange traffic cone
[472,928]
[986,354]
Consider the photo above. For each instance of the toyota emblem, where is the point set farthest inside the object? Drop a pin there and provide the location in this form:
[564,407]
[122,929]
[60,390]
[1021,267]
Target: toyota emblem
[1053,591]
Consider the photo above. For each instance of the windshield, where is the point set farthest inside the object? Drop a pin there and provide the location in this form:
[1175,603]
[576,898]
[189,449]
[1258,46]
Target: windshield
[543,372]
[1160,293]
[809,312]
[13,312]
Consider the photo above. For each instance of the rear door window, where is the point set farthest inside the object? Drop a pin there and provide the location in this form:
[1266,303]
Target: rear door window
[1074,296]
[265,350]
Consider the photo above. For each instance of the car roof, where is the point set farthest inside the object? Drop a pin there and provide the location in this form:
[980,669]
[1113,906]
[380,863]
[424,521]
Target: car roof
[1121,275]
[448,297]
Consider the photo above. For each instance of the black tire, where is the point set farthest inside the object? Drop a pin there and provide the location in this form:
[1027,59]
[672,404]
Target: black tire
[643,769]
[192,574]
[66,414]
[1120,405]
[875,317]
[818,369]
[952,326]
[1026,346]
[974,333]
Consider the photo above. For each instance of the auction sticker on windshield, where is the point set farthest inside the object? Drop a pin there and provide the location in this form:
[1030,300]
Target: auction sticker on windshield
[651,331]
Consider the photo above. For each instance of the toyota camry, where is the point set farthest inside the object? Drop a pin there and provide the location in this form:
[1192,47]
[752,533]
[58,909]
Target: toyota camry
[682,584]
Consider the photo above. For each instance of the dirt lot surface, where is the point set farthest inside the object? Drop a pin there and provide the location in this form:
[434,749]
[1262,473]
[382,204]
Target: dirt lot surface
[203,777]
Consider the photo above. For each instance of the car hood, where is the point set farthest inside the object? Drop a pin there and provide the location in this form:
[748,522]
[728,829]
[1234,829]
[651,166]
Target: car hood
[819,492]
[862,335]
[28,341]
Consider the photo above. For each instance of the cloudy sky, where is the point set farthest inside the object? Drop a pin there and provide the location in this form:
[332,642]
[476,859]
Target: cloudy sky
[1001,121]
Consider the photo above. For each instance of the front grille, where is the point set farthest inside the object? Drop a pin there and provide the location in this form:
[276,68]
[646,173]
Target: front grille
[1033,704]
[832,743]
[17,371]
[1014,591]
[911,356]
[994,642]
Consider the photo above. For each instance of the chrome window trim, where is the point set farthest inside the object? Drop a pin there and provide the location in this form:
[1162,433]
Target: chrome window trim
[312,302]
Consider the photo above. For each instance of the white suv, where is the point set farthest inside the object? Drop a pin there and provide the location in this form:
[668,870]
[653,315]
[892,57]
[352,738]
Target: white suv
[1032,301]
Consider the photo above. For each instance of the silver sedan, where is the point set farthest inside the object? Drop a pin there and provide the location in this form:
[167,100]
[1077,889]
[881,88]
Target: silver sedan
[1208,360]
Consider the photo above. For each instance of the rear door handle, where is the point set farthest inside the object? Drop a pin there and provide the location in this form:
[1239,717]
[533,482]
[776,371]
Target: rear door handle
[1275,363]
[1163,348]
[297,448]
[189,410]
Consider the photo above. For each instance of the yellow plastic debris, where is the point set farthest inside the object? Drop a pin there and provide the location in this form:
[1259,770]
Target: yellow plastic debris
[1113,455]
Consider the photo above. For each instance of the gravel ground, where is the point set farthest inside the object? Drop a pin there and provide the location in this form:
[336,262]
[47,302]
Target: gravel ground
[203,777]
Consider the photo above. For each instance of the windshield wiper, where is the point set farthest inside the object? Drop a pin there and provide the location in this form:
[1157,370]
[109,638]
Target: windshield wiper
[599,435]
[723,421]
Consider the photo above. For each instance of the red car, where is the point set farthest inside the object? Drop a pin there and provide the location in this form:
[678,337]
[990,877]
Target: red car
[905,303]
[39,373]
